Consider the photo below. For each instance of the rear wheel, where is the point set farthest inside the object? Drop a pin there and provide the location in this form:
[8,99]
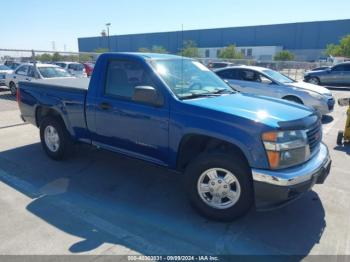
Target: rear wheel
[314,80]
[13,88]
[54,138]
[219,186]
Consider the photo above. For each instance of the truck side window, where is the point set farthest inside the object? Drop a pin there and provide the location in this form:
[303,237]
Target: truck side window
[124,76]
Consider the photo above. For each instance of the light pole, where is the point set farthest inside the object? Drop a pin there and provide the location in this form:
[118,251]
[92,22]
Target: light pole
[109,45]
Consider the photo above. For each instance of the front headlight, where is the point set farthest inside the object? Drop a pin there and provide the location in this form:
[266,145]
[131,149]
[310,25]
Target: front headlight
[315,95]
[286,148]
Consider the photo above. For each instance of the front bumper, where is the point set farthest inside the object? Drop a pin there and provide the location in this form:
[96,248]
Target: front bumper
[275,188]
[325,106]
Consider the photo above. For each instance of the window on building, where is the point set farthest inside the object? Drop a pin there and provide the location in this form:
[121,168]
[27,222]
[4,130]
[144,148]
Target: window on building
[218,53]
[243,51]
[207,53]
[249,52]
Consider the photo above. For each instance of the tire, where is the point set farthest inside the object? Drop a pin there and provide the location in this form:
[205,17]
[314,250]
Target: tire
[293,99]
[340,138]
[59,134]
[314,80]
[243,186]
[13,88]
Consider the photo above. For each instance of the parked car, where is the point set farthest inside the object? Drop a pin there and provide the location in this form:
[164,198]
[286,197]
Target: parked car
[75,69]
[4,70]
[27,72]
[320,68]
[89,68]
[335,75]
[12,64]
[267,82]
[214,65]
[235,150]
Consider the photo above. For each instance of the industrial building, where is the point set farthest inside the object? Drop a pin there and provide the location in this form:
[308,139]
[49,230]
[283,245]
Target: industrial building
[307,40]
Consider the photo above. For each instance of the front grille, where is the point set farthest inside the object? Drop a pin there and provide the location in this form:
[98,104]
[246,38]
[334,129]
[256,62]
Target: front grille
[314,136]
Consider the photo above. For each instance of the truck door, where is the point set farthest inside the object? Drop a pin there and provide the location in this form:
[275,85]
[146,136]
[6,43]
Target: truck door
[126,126]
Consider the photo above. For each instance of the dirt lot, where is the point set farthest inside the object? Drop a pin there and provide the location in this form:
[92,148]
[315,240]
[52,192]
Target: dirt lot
[101,203]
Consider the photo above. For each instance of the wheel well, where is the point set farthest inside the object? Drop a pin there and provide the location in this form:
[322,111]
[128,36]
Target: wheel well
[293,98]
[42,112]
[192,145]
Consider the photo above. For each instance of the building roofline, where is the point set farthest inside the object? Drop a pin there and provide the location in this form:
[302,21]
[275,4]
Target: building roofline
[220,28]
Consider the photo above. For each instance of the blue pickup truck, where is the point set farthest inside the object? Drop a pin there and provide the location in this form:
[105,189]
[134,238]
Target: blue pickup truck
[235,150]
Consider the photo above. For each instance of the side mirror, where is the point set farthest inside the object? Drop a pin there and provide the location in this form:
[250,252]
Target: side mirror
[147,95]
[329,70]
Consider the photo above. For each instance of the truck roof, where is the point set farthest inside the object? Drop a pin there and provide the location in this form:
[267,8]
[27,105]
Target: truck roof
[148,55]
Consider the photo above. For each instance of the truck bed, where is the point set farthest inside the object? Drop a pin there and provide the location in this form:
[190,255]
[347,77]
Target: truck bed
[66,96]
[68,84]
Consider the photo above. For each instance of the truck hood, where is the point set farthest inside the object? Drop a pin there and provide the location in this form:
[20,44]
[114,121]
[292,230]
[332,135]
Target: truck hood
[311,87]
[265,110]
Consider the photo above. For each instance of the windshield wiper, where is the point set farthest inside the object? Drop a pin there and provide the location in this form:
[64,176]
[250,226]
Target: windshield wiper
[194,95]
[223,91]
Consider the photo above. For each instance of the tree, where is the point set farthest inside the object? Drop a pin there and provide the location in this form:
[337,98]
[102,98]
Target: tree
[56,57]
[101,50]
[44,57]
[342,49]
[159,49]
[190,49]
[155,49]
[144,50]
[85,58]
[231,52]
[284,56]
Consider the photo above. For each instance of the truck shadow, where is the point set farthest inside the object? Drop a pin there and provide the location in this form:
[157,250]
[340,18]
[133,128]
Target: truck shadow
[102,198]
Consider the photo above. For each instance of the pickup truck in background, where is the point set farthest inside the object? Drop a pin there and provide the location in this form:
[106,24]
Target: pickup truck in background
[235,150]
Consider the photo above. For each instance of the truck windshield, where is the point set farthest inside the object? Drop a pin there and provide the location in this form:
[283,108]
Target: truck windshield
[51,72]
[274,75]
[190,79]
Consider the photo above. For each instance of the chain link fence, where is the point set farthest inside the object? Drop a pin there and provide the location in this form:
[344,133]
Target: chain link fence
[43,56]
[293,69]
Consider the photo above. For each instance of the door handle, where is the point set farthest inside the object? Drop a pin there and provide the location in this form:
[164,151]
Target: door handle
[105,106]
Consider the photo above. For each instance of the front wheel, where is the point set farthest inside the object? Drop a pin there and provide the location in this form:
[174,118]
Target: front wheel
[219,186]
[54,138]
[314,80]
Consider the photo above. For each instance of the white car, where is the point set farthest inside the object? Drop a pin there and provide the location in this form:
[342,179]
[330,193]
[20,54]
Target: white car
[28,72]
[4,70]
[267,82]
[74,68]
